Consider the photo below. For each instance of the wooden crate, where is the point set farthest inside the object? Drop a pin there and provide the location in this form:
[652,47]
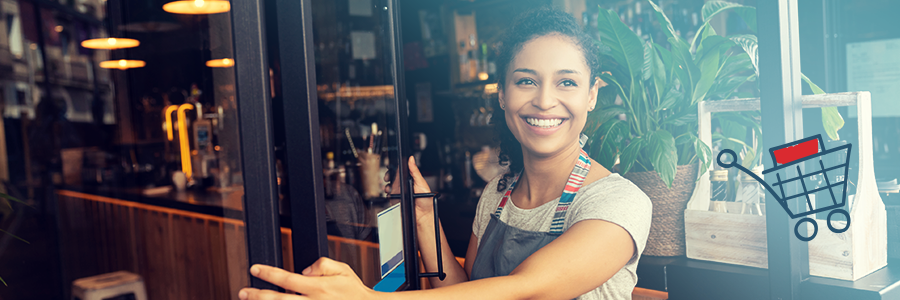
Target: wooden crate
[741,238]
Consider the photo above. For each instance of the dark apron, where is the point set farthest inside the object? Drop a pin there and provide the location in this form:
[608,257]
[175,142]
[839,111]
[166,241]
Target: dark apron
[504,247]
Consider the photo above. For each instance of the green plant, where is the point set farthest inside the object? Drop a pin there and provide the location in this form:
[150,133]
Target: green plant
[659,86]
[6,209]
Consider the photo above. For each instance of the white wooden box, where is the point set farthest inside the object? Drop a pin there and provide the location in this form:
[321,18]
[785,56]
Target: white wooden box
[741,238]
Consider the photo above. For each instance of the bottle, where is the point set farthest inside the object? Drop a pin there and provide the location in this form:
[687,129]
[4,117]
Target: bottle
[718,181]
[330,181]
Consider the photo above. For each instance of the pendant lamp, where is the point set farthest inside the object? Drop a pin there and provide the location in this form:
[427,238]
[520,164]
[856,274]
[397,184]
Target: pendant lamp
[122,64]
[197,7]
[110,43]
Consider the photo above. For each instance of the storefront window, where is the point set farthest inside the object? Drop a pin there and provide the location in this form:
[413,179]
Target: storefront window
[359,138]
[120,134]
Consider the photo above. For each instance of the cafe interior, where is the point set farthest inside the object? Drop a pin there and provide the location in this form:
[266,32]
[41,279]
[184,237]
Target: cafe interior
[165,146]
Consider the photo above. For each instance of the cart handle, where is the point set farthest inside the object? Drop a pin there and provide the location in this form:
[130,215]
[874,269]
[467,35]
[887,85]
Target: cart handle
[734,163]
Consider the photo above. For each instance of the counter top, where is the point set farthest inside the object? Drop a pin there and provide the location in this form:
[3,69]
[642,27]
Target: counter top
[216,202]
[685,278]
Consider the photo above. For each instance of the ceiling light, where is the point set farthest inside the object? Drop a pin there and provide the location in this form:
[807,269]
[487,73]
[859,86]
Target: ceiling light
[220,63]
[122,64]
[197,7]
[110,43]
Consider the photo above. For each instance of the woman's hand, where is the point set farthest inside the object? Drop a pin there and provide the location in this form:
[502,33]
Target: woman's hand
[424,206]
[324,279]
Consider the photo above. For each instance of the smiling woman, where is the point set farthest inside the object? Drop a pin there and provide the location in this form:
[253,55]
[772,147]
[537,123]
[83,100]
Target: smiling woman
[557,225]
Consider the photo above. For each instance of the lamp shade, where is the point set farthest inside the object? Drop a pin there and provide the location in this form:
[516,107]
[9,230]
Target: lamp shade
[220,63]
[122,64]
[110,43]
[197,7]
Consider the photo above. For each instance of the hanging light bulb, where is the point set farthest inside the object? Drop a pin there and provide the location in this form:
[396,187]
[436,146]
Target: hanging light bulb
[197,7]
[110,43]
[220,63]
[122,64]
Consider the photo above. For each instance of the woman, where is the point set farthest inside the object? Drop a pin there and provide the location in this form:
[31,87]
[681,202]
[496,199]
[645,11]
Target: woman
[557,225]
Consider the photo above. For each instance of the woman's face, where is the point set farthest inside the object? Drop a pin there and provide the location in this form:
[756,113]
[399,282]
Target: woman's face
[547,94]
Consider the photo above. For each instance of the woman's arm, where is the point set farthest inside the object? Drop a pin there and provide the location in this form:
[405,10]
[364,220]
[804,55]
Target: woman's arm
[455,272]
[425,234]
[581,259]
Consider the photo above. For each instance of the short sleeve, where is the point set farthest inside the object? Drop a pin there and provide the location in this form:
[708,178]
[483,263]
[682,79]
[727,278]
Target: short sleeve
[618,201]
[486,205]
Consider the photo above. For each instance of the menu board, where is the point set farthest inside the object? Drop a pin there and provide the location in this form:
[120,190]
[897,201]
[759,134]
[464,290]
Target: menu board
[874,66]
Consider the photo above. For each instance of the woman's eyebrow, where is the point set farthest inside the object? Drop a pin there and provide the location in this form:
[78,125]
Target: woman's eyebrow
[567,71]
[523,70]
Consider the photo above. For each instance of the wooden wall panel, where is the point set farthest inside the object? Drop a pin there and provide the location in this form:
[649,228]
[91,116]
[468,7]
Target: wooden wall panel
[180,254]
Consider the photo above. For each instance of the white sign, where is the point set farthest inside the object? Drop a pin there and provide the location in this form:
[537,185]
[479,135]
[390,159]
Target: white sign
[875,67]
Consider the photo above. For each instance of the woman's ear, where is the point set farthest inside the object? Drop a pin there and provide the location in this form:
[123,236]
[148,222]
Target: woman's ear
[500,98]
[595,88]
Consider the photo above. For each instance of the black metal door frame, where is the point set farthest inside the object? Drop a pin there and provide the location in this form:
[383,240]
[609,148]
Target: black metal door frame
[302,148]
[256,137]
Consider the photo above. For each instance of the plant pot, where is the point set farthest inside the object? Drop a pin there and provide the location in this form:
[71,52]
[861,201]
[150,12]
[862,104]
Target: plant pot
[667,228]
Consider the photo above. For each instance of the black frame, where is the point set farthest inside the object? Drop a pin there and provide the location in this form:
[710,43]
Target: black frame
[256,136]
[407,208]
[302,151]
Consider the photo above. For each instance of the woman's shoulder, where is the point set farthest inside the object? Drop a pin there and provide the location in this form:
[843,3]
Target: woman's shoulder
[614,187]
[490,196]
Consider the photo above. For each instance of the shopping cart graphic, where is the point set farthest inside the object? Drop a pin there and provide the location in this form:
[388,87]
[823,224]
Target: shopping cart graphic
[823,184]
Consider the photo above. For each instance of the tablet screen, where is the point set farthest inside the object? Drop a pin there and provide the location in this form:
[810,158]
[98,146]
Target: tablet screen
[390,250]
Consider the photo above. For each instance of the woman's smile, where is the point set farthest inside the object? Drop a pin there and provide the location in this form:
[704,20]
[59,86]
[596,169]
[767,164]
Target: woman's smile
[543,125]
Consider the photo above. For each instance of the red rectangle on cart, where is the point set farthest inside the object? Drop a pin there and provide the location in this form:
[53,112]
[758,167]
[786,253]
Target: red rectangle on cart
[798,151]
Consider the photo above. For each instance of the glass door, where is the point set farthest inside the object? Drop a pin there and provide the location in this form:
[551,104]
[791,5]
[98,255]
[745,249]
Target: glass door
[343,115]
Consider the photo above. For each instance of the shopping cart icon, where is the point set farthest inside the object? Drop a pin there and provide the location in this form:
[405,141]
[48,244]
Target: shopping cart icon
[830,165]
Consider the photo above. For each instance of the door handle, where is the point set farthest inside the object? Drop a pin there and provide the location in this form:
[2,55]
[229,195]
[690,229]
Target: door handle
[437,231]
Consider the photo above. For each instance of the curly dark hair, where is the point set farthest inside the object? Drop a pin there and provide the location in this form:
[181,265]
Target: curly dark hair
[528,26]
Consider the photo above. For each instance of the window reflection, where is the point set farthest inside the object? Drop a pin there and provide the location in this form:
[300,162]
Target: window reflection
[120,131]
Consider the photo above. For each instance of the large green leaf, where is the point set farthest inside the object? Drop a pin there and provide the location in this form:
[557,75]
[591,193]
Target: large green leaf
[625,46]
[630,154]
[608,113]
[663,155]
[713,8]
[725,86]
[831,118]
[668,63]
[14,236]
[704,154]
[713,44]
[611,136]
[687,71]
[733,133]
[655,70]
[749,43]
[667,27]
[736,64]
[685,116]
[670,100]
[709,70]
[705,32]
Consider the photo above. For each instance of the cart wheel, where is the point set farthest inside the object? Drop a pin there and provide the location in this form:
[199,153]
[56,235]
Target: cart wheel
[811,236]
[843,212]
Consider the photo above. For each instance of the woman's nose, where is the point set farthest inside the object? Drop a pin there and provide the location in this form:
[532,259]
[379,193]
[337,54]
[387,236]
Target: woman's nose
[546,99]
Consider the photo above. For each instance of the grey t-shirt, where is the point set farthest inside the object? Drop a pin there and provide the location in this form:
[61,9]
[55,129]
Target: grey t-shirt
[612,198]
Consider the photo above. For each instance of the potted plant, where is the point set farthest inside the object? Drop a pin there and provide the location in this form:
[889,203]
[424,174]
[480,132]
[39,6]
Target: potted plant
[647,122]
[6,211]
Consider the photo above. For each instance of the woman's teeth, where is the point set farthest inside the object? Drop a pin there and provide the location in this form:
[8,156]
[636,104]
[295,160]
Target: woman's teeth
[543,123]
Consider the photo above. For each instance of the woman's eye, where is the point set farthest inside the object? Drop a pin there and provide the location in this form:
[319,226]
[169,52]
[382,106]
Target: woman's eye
[568,83]
[525,81]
